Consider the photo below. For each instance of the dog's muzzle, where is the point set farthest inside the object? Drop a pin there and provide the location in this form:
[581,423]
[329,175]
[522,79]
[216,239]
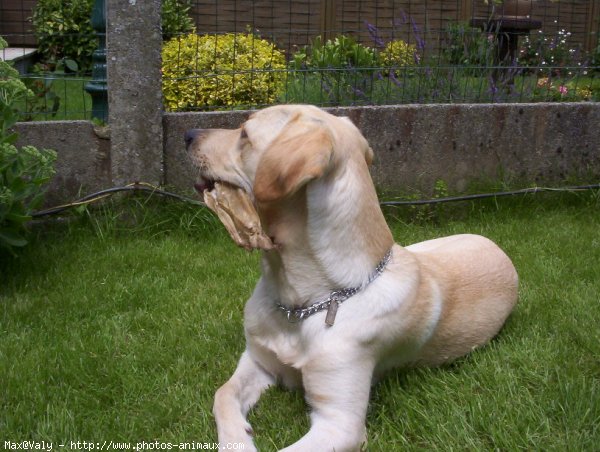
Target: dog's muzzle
[191,135]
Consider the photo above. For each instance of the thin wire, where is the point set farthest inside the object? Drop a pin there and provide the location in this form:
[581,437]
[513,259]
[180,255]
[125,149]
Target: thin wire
[152,189]
[135,187]
[524,191]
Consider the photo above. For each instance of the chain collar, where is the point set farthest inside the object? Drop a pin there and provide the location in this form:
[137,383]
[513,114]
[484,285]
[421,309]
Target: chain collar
[335,298]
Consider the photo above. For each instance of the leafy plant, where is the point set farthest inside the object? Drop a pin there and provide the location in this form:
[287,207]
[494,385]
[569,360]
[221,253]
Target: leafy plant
[341,53]
[203,72]
[397,55]
[431,213]
[462,46]
[175,17]
[22,171]
[44,99]
[63,30]
[345,68]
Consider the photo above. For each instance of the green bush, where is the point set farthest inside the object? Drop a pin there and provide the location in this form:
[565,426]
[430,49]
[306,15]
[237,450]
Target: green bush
[397,55]
[341,53]
[339,71]
[203,72]
[63,30]
[22,171]
[469,47]
[176,18]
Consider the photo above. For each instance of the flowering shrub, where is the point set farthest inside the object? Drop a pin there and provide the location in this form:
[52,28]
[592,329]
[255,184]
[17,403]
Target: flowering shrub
[549,54]
[200,72]
[557,90]
[398,54]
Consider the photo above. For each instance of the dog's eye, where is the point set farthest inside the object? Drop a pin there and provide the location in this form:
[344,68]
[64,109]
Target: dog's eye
[243,134]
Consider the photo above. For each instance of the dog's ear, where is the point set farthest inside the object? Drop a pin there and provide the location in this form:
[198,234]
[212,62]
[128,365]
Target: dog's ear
[302,152]
[369,155]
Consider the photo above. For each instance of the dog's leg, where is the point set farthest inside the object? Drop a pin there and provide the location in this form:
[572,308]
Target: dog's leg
[338,393]
[235,398]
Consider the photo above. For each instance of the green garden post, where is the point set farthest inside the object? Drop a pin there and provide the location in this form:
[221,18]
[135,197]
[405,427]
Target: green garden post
[98,87]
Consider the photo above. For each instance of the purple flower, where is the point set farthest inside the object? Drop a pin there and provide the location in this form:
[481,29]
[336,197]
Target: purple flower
[394,79]
[375,34]
[420,41]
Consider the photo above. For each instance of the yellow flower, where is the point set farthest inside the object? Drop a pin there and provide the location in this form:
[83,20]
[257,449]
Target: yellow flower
[543,82]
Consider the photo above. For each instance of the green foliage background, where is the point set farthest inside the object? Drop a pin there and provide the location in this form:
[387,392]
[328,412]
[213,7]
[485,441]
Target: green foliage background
[23,171]
[63,28]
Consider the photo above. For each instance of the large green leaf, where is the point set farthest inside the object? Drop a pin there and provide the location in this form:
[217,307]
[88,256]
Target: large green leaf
[11,238]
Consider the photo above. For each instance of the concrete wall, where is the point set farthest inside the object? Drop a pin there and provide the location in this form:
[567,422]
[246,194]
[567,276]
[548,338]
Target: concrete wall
[415,145]
[83,163]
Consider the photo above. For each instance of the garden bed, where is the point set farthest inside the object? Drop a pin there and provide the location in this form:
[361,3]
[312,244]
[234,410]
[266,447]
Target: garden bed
[433,85]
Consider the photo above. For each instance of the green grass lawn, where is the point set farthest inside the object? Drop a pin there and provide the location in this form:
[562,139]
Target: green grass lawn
[57,98]
[121,324]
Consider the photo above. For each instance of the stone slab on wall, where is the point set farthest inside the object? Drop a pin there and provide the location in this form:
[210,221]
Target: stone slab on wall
[416,145]
[83,161]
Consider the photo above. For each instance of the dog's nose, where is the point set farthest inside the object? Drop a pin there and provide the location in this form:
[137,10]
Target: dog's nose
[191,135]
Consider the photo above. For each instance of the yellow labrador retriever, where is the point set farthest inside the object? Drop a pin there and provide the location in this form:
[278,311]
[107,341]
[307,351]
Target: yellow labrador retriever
[338,302]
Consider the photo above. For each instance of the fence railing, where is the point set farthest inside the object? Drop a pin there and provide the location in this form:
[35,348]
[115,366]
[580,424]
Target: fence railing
[330,52]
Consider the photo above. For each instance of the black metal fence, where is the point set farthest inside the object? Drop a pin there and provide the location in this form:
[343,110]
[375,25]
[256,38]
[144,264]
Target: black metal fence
[243,54]
[388,52]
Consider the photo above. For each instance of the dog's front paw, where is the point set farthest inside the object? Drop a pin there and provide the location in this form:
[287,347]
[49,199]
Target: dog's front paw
[237,437]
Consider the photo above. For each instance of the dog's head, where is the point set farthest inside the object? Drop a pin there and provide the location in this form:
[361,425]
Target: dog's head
[276,152]
[307,173]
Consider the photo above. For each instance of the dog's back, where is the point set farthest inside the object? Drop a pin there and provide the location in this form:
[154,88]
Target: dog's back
[479,284]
